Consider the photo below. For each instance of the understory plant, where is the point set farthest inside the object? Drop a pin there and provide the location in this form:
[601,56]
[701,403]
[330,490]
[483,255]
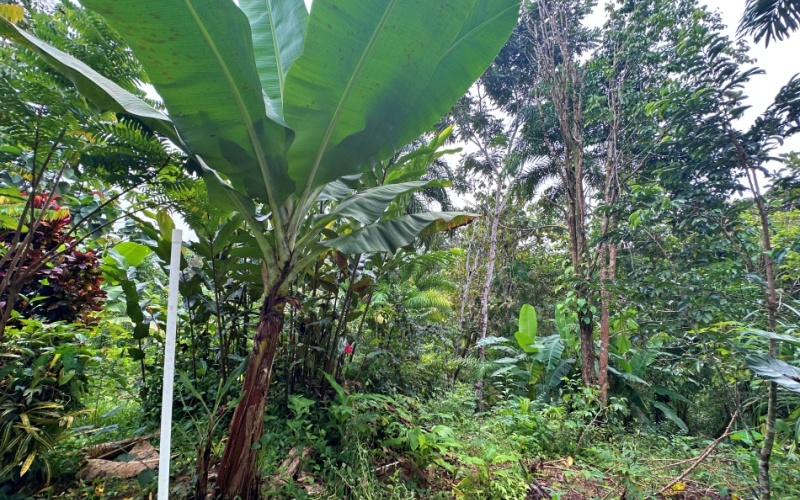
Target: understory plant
[43,374]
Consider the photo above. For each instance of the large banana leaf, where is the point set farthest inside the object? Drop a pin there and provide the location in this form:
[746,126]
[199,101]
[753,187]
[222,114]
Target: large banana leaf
[199,57]
[528,328]
[672,415]
[375,74]
[368,206]
[393,234]
[550,350]
[279,29]
[98,89]
[775,370]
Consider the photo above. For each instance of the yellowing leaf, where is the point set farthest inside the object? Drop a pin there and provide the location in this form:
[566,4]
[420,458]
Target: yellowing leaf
[570,461]
[27,464]
[679,487]
[55,360]
[14,13]
[448,225]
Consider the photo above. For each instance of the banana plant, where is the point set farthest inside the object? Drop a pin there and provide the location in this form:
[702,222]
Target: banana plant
[274,106]
[543,357]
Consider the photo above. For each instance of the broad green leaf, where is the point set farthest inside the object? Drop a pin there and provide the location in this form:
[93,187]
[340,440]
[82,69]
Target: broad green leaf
[555,376]
[9,222]
[278,28]
[339,189]
[775,370]
[135,354]
[789,339]
[670,414]
[537,369]
[666,391]
[133,253]
[102,92]
[222,238]
[230,199]
[393,234]
[132,307]
[628,376]
[526,336]
[565,321]
[550,350]
[527,320]
[375,74]
[490,341]
[165,224]
[145,477]
[502,370]
[191,388]
[368,206]
[641,360]
[199,57]
[340,392]
[623,344]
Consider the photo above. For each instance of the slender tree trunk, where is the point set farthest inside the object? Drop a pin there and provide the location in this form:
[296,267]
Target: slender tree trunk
[605,327]
[771,296]
[5,314]
[237,474]
[203,463]
[471,269]
[487,283]
[223,351]
[586,320]
[607,275]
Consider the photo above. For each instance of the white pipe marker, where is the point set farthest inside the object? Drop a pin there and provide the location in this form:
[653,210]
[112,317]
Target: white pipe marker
[169,366]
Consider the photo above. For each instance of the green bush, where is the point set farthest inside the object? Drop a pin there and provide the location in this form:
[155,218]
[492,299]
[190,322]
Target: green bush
[42,377]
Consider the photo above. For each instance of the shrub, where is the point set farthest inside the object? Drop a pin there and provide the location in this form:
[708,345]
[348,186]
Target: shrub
[42,376]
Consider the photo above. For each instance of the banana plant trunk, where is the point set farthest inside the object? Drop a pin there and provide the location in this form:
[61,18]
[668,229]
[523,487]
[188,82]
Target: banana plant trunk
[237,473]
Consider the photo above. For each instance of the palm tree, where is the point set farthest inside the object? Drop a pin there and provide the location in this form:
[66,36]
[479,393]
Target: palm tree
[770,19]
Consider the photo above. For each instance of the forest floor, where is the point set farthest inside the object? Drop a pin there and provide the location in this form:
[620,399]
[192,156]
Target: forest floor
[714,478]
[541,452]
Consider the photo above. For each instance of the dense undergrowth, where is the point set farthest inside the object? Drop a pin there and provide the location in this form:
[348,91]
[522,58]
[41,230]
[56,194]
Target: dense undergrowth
[371,446]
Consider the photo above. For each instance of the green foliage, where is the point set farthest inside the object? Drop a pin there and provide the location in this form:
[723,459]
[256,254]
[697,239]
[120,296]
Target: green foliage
[526,335]
[43,376]
[770,19]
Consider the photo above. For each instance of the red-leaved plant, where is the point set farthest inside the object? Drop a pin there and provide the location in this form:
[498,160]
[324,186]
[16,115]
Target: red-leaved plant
[68,286]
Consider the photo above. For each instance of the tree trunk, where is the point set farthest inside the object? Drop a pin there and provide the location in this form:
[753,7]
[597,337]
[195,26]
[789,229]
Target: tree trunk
[771,296]
[487,283]
[605,327]
[471,270]
[237,474]
[5,313]
[586,320]
[607,275]
[203,463]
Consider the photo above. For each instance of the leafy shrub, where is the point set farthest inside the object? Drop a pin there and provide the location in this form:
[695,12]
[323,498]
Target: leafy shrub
[68,287]
[43,373]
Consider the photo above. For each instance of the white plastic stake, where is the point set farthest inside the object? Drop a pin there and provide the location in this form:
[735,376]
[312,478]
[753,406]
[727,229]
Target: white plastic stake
[169,366]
